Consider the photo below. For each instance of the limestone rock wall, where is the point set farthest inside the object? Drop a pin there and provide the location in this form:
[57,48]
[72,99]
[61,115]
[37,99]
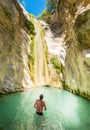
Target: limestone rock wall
[73,20]
[14,48]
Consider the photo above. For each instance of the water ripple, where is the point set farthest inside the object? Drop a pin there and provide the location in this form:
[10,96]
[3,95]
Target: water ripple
[65,111]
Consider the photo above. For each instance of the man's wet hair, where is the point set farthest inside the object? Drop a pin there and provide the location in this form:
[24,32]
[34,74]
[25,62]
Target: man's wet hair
[41,96]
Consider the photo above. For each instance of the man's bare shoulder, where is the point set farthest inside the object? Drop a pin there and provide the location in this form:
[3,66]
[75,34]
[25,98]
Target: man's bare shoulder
[37,100]
[43,102]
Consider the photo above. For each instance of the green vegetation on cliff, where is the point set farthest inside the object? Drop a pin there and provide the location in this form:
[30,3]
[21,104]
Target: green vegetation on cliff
[31,57]
[8,12]
[32,44]
[48,11]
[56,64]
[30,26]
[51,5]
[45,15]
[76,91]
[44,44]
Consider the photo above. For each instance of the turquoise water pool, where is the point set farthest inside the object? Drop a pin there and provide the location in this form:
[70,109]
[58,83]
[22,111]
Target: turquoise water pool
[65,111]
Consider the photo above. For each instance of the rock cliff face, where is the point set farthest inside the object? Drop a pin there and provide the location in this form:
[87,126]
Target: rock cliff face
[72,18]
[23,55]
[14,48]
[68,41]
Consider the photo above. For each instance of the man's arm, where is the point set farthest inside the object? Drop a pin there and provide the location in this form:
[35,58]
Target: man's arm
[44,105]
[35,105]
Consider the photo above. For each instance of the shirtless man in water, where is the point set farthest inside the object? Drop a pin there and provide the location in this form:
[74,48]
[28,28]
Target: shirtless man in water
[40,105]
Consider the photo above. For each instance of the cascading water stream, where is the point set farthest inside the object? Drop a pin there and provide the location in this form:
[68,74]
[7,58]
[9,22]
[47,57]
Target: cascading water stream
[41,74]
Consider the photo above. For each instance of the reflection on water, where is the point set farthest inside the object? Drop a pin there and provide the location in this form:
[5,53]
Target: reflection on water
[65,111]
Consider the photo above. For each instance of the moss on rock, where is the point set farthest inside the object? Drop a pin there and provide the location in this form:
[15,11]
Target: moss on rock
[30,26]
[56,64]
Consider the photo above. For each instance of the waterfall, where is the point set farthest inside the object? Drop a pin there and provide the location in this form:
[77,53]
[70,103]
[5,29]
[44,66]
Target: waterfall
[41,73]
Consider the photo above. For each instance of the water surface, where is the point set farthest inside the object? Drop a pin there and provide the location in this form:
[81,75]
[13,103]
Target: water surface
[65,111]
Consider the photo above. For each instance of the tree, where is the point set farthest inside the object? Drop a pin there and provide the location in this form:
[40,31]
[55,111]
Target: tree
[48,11]
[51,5]
[45,14]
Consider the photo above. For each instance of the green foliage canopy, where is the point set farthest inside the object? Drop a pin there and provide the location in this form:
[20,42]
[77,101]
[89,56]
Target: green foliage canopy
[48,11]
[45,14]
[51,5]
[30,26]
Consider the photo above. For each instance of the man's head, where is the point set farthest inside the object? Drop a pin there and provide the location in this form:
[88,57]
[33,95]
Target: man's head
[41,96]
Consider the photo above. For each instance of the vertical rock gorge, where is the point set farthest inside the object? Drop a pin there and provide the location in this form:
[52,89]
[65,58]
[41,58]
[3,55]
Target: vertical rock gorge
[72,18]
[59,52]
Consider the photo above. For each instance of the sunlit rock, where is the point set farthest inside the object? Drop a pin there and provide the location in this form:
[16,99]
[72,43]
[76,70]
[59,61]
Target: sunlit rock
[87,58]
[72,17]
[14,48]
